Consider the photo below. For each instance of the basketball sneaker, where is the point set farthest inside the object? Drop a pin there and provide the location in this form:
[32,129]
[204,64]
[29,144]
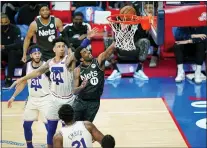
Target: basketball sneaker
[114,75]
[180,76]
[140,75]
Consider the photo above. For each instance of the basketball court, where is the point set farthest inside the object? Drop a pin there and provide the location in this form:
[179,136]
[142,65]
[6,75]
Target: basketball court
[143,114]
[132,122]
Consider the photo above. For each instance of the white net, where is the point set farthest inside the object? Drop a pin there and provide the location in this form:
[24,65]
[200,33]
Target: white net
[124,34]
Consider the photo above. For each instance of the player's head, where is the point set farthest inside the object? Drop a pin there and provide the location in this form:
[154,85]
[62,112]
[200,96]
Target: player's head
[108,141]
[149,8]
[59,46]
[83,55]
[78,19]
[5,22]
[66,113]
[44,11]
[35,53]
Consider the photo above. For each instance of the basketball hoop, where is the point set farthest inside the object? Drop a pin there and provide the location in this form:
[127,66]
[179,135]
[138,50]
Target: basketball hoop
[124,26]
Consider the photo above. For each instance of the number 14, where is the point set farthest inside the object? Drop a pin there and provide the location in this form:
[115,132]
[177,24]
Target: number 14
[78,144]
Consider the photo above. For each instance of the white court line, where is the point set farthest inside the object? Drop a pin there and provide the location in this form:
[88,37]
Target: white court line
[204,112]
[137,112]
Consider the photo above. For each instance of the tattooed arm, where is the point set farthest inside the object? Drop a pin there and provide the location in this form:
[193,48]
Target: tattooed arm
[42,69]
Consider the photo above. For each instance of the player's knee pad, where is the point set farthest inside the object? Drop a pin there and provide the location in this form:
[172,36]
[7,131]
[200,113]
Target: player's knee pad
[52,126]
[28,130]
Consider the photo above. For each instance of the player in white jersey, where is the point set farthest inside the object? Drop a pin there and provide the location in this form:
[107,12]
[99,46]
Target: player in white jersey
[75,134]
[39,94]
[61,68]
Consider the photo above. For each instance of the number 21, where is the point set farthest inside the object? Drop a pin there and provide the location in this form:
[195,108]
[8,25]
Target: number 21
[79,144]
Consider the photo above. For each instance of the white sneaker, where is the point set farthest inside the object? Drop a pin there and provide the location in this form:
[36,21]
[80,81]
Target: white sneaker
[180,76]
[114,75]
[140,75]
[153,61]
[198,78]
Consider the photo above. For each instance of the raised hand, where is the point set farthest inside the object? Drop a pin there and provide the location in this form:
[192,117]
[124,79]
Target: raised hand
[92,33]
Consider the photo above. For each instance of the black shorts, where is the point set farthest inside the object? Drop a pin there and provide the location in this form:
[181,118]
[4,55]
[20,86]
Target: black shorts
[85,110]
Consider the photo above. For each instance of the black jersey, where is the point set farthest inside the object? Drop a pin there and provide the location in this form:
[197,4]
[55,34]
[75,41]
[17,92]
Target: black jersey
[45,35]
[95,77]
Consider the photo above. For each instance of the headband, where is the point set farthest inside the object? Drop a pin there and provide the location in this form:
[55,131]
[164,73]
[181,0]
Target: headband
[34,50]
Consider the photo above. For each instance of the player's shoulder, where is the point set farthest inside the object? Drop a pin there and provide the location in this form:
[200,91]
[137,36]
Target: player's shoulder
[68,25]
[33,24]
[49,62]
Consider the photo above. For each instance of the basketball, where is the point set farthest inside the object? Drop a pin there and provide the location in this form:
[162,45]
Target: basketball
[128,10]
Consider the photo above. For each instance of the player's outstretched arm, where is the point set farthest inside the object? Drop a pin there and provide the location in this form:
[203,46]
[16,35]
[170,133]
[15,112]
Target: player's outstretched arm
[42,69]
[17,91]
[58,140]
[77,87]
[107,53]
[96,134]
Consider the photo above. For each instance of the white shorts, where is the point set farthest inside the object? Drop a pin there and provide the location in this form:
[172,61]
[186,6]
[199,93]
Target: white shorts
[54,105]
[35,106]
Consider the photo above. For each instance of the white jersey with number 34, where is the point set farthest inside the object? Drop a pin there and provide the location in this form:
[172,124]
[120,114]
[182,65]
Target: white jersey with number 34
[76,136]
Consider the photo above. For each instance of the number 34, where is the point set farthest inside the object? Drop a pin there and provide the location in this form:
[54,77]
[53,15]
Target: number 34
[78,144]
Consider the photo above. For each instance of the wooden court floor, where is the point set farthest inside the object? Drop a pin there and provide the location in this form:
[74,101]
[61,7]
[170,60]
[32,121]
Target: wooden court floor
[133,123]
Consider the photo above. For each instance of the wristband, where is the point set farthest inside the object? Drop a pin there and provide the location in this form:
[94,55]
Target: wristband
[85,43]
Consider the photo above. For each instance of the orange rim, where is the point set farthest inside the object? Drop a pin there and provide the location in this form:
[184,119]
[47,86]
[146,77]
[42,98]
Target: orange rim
[134,19]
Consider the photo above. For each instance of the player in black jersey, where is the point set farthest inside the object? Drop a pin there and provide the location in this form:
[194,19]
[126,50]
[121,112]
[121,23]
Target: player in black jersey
[45,28]
[91,69]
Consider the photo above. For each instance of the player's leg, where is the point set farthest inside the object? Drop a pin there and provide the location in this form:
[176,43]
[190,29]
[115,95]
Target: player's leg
[52,120]
[43,108]
[52,116]
[79,109]
[91,111]
[143,46]
[30,115]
